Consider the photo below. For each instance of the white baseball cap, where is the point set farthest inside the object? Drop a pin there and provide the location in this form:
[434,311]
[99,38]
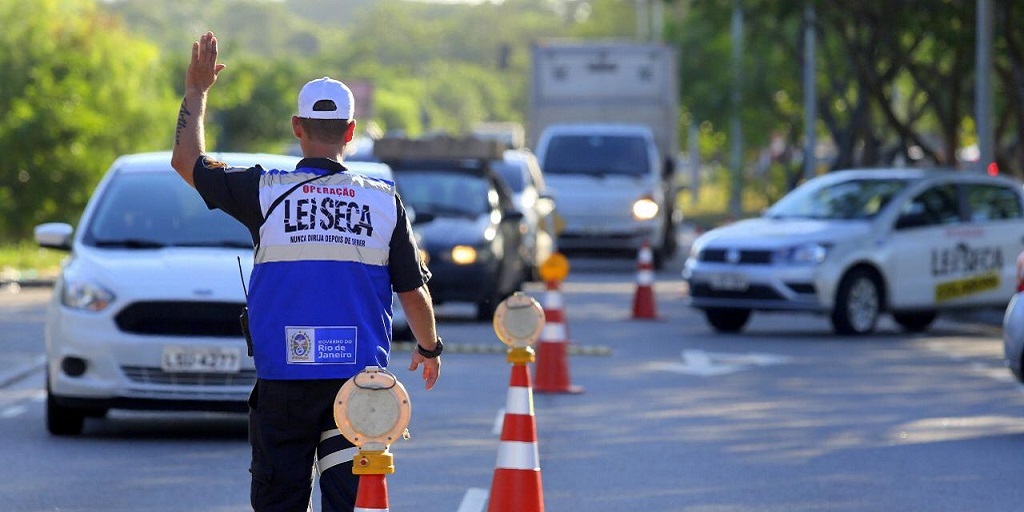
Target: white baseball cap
[330,90]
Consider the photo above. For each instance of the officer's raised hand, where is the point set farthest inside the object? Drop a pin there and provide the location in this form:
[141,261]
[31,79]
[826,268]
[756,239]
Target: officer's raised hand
[203,69]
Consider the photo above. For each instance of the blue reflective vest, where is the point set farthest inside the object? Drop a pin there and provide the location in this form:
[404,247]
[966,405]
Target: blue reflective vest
[320,296]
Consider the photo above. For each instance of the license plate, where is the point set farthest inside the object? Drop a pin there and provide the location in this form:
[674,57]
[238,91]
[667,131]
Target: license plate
[729,282]
[201,359]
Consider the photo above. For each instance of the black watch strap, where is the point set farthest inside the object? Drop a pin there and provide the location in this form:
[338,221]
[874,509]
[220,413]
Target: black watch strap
[430,354]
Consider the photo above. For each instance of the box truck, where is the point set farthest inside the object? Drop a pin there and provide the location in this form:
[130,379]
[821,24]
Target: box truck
[604,123]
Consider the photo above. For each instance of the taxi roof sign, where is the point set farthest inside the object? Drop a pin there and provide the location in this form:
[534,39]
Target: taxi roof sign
[438,148]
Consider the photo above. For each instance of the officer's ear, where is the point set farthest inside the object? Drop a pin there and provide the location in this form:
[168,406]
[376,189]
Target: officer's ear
[297,127]
[350,131]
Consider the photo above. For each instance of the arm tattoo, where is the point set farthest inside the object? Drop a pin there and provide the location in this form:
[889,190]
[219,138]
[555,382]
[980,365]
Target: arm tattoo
[182,121]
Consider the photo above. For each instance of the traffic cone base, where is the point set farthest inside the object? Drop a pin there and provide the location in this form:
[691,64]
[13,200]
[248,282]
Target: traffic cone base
[553,369]
[515,490]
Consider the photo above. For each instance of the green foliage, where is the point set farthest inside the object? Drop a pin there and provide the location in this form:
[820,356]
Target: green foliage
[83,81]
[77,91]
[28,260]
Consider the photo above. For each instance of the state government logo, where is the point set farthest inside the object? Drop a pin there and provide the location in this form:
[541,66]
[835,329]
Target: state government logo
[300,347]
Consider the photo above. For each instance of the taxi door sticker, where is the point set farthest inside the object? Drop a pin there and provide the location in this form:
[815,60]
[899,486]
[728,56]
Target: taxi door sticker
[963,287]
[975,269]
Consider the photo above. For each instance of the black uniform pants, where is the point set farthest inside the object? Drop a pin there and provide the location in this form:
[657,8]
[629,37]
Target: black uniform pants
[291,427]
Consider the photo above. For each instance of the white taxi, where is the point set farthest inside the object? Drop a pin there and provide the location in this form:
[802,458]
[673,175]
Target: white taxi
[856,244]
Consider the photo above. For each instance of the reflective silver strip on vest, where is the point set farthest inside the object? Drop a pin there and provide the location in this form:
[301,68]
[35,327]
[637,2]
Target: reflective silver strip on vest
[328,252]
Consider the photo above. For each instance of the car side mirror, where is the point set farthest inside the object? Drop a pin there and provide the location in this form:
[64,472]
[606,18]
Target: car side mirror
[54,235]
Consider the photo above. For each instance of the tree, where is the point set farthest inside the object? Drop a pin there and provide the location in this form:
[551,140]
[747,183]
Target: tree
[895,79]
[77,91]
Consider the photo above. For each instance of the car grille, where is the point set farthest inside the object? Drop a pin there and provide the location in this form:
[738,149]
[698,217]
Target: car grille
[755,291]
[147,375]
[803,288]
[168,318]
[746,256]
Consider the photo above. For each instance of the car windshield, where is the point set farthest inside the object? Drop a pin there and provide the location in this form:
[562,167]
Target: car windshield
[442,193]
[844,200]
[597,154]
[147,210]
[512,173]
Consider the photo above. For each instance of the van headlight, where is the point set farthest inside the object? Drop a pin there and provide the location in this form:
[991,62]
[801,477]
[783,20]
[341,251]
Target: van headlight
[805,254]
[85,296]
[645,209]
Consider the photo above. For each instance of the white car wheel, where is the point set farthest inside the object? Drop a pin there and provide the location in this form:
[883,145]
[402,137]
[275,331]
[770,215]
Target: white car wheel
[858,303]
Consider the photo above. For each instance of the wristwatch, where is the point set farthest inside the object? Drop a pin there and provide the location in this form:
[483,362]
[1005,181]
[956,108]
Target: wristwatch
[430,354]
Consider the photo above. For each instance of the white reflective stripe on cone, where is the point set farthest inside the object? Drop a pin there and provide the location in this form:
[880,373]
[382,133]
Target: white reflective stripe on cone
[553,332]
[338,457]
[518,455]
[519,401]
[646,256]
[552,300]
[362,509]
[645,277]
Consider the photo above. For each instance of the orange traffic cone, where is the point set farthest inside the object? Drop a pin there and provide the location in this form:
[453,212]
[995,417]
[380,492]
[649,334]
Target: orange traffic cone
[643,300]
[372,495]
[552,348]
[517,484]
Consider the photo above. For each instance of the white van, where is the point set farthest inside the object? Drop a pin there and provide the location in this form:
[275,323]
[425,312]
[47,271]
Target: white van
[612,189]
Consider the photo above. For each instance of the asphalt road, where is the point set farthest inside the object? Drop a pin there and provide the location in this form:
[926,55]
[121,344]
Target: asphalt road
[673,417]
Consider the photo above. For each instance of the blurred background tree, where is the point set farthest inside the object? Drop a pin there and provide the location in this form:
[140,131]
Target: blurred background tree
[83,81]
[77,91]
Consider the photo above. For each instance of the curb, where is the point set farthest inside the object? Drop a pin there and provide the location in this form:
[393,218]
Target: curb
[498,348]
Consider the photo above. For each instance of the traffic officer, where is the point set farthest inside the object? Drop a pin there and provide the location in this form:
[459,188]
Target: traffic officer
[330,249]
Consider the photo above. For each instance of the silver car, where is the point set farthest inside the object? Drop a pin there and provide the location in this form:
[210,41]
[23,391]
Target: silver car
[521,172]
[855,244]
[1013,326]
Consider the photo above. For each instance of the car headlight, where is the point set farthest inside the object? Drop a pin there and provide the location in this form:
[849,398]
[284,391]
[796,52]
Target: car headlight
[86,296]
[645,209]
[806,254]
[464,255]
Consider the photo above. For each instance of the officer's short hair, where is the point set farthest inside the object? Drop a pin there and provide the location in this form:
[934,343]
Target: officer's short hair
[326,131]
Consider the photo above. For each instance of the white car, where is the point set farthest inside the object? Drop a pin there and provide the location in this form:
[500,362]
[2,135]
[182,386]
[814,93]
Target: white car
[145,313]
[858,243]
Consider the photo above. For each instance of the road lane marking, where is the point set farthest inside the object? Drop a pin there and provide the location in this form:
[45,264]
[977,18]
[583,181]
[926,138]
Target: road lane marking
[709,364]
[474,500]
[12,411]
[499,422]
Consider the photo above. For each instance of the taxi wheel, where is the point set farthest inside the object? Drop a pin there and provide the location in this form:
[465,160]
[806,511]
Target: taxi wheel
[858,303]
[914,322]
[727,320]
